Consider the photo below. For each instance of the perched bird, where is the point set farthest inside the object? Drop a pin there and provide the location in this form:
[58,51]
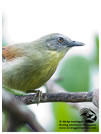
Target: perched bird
[28,66]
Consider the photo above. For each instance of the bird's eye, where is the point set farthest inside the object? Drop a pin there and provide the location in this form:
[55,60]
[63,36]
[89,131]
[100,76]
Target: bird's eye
[60,39]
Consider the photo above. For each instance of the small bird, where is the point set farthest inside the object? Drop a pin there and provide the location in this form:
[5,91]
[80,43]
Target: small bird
[27,66]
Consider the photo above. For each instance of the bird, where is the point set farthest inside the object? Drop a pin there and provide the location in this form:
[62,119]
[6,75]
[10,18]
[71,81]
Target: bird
[28,66]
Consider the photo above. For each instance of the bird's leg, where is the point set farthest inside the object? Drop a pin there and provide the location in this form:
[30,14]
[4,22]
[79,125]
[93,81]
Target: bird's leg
[38,94]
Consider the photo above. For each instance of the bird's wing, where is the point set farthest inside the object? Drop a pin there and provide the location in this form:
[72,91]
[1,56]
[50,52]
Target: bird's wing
[10,53]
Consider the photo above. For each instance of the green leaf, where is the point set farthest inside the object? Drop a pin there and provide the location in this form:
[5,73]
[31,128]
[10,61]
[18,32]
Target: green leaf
[75,74]
[97,50]
[64,112]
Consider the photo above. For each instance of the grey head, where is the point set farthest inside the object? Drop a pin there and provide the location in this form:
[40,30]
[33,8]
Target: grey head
[58,42]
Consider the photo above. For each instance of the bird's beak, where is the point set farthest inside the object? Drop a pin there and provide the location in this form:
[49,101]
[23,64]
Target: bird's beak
[75,43]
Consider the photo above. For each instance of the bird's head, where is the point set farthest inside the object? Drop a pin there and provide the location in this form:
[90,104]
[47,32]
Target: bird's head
[58,42]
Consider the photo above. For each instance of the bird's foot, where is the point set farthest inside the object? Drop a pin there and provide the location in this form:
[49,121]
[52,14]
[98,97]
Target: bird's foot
[38,95]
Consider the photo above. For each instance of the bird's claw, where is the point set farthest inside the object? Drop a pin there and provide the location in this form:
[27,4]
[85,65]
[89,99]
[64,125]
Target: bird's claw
[38,95]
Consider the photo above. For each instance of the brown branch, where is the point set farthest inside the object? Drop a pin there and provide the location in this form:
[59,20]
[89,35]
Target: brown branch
[57,97]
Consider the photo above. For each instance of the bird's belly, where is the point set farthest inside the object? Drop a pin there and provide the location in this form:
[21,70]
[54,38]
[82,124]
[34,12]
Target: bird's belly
[26,81]
[39,78]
